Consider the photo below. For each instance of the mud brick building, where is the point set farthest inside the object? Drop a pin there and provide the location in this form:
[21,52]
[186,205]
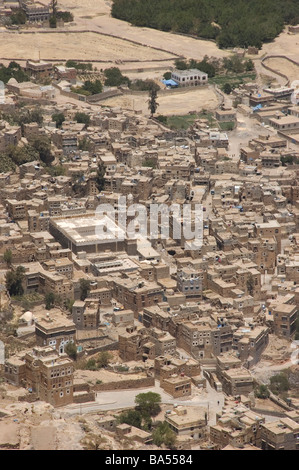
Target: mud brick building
[55,332]
[50,376]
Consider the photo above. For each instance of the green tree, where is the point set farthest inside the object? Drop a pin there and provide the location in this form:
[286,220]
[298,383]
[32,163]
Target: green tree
[25,116]
[181,64]
[103,359]
[82,118]
[91,365]
[14,65]
[167,75]
[59,118]
[148,403]
[85,144]
[164,435]
[152,101]
[54,7]
[249,65]
[42,144]
[289,160]
[49,300]
[231,22]
[7,257]
[18,17]
[162,119]
[250,285]
[262,392]
[82,66]
[131,417]
[36,115]
[71,350]
[144,85]
[204,66]
[6,164]
[227,88]
[22,154]
[57,170]
[114,77]
[69,304]
[100,178]
[6,73]
[14,280]
[66,16]
[84,288]
[234,64]
[149,163]
[93,88]
[53,22]
[279,383]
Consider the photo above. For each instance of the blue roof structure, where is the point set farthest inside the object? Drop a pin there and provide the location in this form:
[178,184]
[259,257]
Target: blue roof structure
[256,108]
[170,82]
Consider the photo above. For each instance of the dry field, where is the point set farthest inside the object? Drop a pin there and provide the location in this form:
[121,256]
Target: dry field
[285,44]
[96,14]
[83,8]
[284,66]
[174,103]
[81,46]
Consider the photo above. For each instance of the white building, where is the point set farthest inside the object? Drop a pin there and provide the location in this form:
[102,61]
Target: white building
[191,77]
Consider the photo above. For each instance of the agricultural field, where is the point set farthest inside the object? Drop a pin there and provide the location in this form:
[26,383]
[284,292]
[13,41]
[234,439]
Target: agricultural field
[63,46]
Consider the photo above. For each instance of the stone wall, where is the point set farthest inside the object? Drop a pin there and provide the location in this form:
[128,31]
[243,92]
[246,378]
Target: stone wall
[127,384]
[84,398]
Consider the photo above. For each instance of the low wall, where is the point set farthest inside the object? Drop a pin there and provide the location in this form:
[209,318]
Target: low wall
[268,412]
[103,96]
[106,347]
[30,398]
[126,384]
[84,398]
[148,69]
[81,387]
[70,94]
[276,71]
[280,402]
[163,91]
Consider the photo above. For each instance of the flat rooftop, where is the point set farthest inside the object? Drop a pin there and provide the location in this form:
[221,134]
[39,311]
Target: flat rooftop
[187,73]
[186,416]
[89,229]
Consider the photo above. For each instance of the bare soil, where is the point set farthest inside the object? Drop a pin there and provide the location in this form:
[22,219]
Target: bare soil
[172,104]
[284,66]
